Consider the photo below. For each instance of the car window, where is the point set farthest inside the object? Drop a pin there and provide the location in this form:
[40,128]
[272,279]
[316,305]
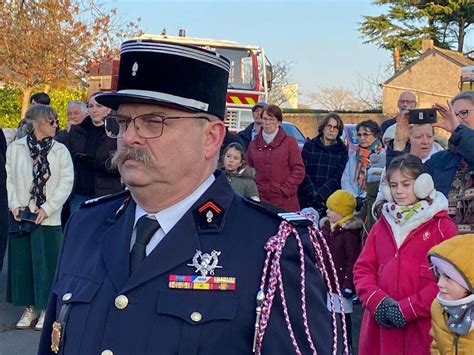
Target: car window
[353,135]
[294,132]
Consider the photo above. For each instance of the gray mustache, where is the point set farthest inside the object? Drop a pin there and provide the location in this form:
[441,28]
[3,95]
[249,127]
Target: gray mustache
[125,153]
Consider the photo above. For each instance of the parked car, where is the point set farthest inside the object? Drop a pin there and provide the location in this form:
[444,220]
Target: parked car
[349,137]
[295,132]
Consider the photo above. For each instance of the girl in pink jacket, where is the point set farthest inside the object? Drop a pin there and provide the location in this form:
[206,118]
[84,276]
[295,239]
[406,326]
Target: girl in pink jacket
[392,276]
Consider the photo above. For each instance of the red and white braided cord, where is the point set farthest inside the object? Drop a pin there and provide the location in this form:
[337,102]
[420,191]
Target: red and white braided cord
[274,247]
[314,234]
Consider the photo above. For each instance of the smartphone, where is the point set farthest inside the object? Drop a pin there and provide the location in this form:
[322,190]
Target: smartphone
[27,216]
[422,116]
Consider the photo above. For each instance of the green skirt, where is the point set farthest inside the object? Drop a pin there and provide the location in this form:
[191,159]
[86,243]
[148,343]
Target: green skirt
[32,263]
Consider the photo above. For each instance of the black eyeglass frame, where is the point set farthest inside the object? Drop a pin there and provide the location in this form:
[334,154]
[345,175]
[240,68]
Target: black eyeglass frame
[128,119]
[52,122]
[463,114]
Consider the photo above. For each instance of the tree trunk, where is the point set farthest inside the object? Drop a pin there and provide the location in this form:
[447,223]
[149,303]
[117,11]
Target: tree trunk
[462,34]
[25,100]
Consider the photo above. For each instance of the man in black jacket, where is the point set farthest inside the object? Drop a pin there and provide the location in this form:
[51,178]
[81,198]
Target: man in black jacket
[249,133]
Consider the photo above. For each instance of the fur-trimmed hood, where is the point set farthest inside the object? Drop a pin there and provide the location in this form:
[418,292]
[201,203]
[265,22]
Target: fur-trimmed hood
[246,173]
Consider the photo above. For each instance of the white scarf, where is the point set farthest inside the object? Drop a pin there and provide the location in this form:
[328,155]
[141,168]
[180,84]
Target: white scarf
[269,137]
[401,231]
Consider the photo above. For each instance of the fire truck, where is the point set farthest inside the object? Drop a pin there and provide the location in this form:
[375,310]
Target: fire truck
[249,80]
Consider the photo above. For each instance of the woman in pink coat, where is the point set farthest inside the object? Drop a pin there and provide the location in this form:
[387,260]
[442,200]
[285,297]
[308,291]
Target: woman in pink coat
[392,276]
[277,160]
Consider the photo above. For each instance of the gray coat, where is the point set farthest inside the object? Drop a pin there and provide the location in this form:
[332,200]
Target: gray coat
[242,181]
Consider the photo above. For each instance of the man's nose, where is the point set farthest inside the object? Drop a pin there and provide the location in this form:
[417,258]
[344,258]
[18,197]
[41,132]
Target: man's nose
[130,135]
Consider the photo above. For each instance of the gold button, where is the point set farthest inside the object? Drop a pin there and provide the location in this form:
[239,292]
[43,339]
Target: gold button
[67,297]
[196,316]
[121,302]
[107,352]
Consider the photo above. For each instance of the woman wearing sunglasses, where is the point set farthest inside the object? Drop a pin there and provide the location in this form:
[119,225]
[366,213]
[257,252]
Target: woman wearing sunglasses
[364,167]
[39,179]
[91,150]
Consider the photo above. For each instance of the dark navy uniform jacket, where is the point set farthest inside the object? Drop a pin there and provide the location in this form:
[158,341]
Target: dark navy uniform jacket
[93,274]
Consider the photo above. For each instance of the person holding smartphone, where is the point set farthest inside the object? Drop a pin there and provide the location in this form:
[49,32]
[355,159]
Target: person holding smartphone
[40,176]
[92,151]
[452,169]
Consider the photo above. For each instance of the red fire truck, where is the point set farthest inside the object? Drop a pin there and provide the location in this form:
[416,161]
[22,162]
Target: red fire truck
[249,79]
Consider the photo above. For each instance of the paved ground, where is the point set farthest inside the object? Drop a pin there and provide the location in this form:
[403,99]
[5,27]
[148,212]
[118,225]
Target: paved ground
[25,342]
[12,341]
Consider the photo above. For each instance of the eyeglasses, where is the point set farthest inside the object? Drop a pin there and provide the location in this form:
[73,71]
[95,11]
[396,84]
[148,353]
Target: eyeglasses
[463,114]
[147,126]
[331,127]
[269,119]
[53,122]
[364,134]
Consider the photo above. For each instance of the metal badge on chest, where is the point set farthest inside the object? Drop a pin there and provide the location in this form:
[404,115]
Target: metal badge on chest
[208,217]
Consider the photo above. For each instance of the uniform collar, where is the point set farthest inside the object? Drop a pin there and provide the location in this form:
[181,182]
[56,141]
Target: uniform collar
[168,217]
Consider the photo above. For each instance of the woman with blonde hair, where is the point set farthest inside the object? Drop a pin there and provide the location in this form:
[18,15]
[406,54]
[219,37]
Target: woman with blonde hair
[39,180]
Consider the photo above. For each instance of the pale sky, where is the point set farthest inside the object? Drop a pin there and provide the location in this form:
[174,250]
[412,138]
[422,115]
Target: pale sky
[319,37]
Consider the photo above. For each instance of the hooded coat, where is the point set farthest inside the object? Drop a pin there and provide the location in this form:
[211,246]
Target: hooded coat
[242,182]
[459,252]
[344,243]
[279,169]
[402,273]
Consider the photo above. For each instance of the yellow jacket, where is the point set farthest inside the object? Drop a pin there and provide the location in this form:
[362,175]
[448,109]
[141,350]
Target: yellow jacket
[444,341]
[459,251]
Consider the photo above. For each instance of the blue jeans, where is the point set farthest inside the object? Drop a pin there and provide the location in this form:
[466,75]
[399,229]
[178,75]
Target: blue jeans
[76,201]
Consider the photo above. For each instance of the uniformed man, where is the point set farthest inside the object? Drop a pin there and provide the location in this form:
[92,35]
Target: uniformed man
[174,264]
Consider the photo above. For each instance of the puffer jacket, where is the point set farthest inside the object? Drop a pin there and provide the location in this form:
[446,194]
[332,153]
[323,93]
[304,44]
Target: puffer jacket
[279,169]
[345,244]
[402,273]
[459,252]
[242,182]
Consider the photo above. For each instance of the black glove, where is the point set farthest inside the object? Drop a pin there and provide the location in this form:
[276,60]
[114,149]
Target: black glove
[381,313]
[396,317]
[347,293]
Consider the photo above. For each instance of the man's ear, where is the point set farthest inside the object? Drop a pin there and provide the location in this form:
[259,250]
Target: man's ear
[214,136]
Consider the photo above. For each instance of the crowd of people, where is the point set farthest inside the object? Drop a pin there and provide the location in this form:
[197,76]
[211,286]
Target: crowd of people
[402,189]
[388,211]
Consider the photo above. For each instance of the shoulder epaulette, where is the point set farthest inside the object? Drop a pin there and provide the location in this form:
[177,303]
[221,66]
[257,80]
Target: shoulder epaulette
[106,198]
[293,218]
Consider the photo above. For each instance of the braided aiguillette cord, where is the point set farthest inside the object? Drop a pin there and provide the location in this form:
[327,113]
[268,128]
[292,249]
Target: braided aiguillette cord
[339,294]
[338,289]
[275,245]
[271,247]
[303,291]
[319,256]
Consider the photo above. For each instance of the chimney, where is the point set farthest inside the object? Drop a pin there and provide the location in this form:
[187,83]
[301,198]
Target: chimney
[396,60]
[426,44]
[182,32]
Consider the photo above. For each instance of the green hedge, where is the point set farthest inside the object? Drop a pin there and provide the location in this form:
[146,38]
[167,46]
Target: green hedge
[10,104]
